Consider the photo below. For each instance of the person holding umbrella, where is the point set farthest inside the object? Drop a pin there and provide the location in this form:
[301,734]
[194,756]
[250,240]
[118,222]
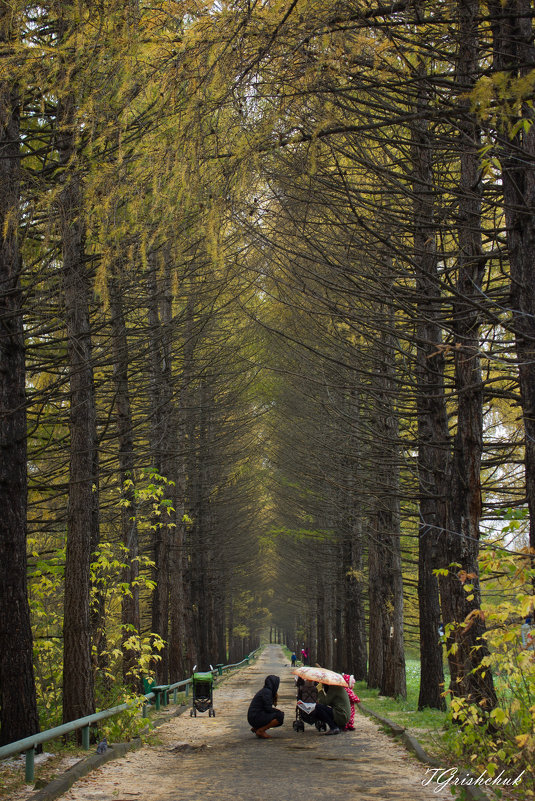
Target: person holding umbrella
[333,707]
[262,714]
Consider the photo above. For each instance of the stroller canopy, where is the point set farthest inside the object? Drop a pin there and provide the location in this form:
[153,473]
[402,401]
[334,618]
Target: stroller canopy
[203,677]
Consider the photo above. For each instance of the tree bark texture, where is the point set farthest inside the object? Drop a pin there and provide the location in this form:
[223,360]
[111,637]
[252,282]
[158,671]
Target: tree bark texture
[433,435]
[78,698]
[18,708]
[353,613]
[162,442]
[514,52]
[461,541]
[354,619]
[182,654]
[130,614]
[328,619]
[198,531]
[386,661]
[384,549]
[375,622]
[320,650]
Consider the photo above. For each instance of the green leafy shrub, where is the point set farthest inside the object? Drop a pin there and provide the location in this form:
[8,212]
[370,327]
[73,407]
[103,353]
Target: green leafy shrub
[503,739]
[108,589]
[127,725]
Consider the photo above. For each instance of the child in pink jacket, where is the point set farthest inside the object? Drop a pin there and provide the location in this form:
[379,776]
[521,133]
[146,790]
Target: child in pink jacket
[353,699]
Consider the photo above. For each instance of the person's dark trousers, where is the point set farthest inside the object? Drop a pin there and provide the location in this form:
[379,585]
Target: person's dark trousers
[324,713]
[262,718]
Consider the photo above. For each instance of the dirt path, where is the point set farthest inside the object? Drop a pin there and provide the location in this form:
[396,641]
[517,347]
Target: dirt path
[218,758]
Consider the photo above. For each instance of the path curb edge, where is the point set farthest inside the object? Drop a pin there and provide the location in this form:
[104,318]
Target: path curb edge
[411,743]
[63,783]
[58,786]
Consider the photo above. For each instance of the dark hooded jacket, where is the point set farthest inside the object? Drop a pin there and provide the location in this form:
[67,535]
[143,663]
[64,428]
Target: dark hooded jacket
[261,709]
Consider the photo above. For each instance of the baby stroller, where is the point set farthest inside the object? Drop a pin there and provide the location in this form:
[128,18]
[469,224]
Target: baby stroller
[307,694]
[203,697]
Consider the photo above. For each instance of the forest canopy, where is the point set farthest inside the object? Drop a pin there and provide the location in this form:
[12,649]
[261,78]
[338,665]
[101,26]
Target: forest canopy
[267,353]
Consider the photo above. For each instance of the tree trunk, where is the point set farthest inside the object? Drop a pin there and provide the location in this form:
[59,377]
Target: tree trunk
[130,615]
[461,543]
[220,624]
[18,708]
[433,435]
[78,698]
[375,625]
[339,650]
[385,572]
[354,616]
[201,557]
[328,615]
[514,52]
[320,655]
[191,549]
[162,442]
[178,667]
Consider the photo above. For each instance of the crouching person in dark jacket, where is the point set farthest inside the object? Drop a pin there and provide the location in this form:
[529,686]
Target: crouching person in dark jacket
[262,714]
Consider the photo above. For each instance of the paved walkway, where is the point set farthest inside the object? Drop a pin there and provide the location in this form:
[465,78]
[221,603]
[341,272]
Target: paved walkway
[219,759]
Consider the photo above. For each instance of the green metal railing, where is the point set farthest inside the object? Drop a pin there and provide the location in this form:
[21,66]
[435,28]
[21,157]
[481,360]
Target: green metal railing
[28,744]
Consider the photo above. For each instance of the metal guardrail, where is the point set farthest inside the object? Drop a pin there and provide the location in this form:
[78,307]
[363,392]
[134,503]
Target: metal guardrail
[28,744]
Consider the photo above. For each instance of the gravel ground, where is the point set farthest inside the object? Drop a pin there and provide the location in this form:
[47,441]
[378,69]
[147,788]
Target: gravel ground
[218,758]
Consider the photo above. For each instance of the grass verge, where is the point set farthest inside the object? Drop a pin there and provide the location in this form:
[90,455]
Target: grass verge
[429,726]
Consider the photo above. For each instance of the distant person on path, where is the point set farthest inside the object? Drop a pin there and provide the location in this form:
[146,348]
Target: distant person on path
[294,660]
[262,714]
[353,699]
[305,655]
[333,707]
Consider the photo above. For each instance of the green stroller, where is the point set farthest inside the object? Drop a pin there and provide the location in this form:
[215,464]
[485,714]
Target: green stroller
[203,694]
